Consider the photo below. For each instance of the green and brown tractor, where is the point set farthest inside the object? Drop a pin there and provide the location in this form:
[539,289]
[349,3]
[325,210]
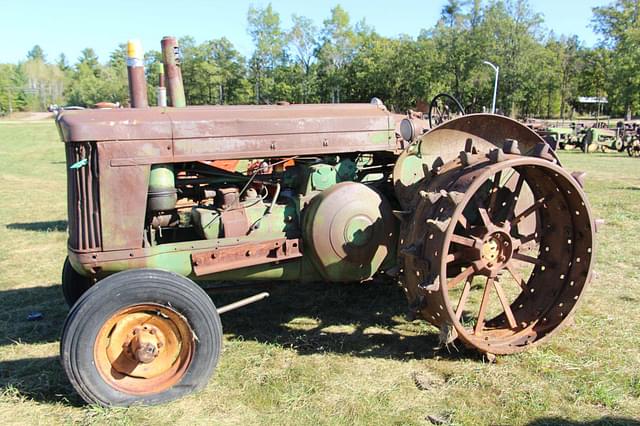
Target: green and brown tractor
[489,237]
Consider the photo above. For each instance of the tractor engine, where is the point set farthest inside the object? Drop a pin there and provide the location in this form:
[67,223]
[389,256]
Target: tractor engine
[333,203]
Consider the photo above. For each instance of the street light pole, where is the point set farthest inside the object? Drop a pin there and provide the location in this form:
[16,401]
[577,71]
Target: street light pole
[495,85]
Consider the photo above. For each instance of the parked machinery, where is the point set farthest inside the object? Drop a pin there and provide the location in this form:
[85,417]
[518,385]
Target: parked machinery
[564,137]
[490,238]
[628,138]
[599,137]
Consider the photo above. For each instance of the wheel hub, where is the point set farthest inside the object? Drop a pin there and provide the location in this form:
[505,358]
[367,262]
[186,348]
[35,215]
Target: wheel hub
[490,250]
[144,349]
[496,250]
[145,343]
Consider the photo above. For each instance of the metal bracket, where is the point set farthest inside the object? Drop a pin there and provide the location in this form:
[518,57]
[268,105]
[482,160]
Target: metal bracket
[244,255]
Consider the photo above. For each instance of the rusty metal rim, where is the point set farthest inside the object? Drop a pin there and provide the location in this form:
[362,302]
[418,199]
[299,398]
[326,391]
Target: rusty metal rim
[176,339]
[490,171]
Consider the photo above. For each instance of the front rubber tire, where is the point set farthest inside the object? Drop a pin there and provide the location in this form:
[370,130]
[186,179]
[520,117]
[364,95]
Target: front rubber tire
[101,303]
[74,285]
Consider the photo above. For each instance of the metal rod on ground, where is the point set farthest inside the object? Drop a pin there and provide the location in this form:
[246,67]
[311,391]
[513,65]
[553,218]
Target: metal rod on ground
[171,59]
[161,91]
[243,302]
[135,73]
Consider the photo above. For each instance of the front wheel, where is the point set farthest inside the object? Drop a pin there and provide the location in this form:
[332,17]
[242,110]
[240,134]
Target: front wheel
[141,336]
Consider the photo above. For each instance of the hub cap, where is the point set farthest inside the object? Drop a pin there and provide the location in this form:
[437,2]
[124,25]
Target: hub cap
[144,349]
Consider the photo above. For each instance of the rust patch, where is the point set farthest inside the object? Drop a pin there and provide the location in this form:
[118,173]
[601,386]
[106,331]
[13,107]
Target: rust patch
[243,255]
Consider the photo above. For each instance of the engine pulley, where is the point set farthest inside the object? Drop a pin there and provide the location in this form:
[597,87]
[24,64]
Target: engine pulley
[350,230]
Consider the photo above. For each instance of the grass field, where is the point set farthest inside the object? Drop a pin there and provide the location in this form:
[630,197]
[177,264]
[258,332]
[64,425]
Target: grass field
[318,354]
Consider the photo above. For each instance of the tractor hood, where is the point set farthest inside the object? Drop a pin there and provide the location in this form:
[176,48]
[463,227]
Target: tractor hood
[222,122]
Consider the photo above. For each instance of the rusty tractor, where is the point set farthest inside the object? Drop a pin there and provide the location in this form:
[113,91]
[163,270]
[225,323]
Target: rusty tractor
[489,237]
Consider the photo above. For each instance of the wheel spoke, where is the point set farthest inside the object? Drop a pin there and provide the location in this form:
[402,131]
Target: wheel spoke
[515,195]
[528,238]
[494,191]
[468,271]
[505,305]
[531,209]
[463,241]
[486,220]
[452,257]
[463,221]
[463,299]
[516,276]
[483,306]
[526,258]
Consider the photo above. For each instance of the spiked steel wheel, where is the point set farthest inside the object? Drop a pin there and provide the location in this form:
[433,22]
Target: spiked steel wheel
[499,251]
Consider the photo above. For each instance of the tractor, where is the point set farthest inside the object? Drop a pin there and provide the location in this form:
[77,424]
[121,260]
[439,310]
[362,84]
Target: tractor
[488,236]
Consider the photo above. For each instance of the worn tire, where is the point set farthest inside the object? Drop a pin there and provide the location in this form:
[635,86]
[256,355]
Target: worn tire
[74,285]
[101,303]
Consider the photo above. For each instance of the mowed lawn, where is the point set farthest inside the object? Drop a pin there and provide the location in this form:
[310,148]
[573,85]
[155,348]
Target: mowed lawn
[326,354]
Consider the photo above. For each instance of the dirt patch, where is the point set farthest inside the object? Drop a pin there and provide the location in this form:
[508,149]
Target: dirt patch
[28,116]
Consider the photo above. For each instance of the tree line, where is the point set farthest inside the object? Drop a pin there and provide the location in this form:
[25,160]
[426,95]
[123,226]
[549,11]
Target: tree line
[541,74]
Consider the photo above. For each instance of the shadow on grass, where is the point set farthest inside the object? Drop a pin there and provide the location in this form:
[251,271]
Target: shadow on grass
[48,226]
[604,421]
[629,188]
[364,320]
[39,379]
[357,319]
[17,304]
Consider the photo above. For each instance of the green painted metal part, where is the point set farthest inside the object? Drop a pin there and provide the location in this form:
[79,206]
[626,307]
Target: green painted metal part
[162,188]
[382,138]
[161,177]
[350,231]
[561,130]
[281,222]
[596,138]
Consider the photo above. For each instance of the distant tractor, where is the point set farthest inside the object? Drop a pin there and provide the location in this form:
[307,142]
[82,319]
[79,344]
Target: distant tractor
[563,136]
[489,237]
[600,137]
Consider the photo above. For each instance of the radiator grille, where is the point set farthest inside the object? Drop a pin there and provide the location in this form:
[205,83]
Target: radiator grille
[83,200]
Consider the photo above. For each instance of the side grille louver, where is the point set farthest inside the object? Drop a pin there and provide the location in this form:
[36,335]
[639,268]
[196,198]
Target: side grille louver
[83,199]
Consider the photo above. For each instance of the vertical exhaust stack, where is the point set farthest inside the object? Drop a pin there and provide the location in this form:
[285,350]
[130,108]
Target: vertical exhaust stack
[135,72]
[161,90]
[171,59]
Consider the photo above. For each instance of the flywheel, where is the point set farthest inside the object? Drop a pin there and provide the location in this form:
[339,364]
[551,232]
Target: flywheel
[499,249]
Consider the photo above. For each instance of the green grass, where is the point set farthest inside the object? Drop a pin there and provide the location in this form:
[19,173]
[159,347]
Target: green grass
[328,354]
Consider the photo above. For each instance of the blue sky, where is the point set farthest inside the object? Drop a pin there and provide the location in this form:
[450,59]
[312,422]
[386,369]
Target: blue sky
[70,25]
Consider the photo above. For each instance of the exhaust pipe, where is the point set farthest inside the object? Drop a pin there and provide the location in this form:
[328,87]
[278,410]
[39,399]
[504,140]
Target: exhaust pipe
[161,91]
[135,73]
[171,59]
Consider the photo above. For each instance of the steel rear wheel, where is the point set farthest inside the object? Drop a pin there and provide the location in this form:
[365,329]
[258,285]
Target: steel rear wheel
[141,337]
[500,251]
